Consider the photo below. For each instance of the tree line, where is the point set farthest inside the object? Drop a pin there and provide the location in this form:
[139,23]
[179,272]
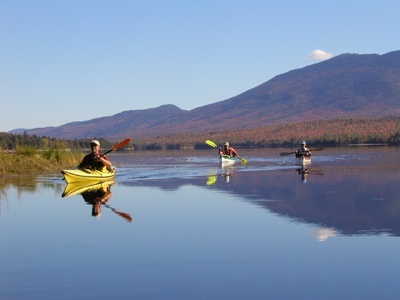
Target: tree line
[10,141]
[338,132]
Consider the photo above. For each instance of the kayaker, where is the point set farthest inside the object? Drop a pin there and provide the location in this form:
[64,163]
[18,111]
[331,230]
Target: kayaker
[228,151]
[94,160]
[303,151]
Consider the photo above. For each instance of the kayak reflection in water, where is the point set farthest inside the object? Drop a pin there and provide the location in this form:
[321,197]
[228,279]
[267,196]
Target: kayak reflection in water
[94,160]
[211,179]
[96,198]
[304,173]
[95,194]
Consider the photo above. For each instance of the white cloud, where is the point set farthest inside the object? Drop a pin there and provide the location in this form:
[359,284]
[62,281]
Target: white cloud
[319,55]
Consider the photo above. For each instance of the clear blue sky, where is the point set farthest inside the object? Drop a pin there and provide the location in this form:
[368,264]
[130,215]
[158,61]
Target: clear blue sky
[75,60]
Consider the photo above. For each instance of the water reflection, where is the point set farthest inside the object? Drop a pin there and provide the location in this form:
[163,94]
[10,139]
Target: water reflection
[248,237]
[27,185]
[305,171]
[323,233]
[21,183]
[95,194]
[357,194]
[224,173]
[339,201]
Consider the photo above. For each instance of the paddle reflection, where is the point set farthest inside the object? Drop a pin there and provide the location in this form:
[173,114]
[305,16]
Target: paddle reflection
[96,195]
[227,173]
[304,172]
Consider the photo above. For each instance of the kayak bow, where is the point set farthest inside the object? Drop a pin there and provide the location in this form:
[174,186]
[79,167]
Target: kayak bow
[87,175]
[227,160]
[79,187]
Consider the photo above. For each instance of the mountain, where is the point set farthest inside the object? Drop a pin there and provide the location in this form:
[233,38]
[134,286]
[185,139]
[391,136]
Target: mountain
[348,85]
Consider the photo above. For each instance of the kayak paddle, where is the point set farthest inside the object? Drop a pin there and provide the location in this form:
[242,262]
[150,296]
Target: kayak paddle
[117,146]
[288,153]
[242,159]
[126,216]
[211,143]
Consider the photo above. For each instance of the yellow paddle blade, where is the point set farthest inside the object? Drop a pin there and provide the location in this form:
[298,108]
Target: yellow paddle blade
[211,179]
[211,143]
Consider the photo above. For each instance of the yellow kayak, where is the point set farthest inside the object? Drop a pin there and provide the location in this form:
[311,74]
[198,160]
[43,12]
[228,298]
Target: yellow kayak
[87,175]
[79,187]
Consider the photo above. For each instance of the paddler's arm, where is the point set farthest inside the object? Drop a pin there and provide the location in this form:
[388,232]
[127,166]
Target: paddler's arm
[105,161]
[234,153]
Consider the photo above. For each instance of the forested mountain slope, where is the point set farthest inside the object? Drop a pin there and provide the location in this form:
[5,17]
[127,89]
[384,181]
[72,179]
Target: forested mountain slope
[345,86]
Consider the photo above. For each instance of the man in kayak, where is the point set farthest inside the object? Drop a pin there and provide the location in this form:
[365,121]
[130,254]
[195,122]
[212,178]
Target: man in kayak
[228,151]
[303,151]
[94,160]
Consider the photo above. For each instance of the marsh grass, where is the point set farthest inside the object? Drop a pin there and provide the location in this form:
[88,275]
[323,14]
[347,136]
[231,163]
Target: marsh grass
[30,161]
[28,151]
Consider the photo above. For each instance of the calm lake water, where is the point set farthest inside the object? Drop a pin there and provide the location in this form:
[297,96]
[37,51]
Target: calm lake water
[175,225]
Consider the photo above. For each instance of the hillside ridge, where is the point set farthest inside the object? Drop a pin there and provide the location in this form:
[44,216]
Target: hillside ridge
[347,85]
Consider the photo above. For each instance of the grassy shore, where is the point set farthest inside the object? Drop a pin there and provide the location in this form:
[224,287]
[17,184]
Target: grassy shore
[29,161]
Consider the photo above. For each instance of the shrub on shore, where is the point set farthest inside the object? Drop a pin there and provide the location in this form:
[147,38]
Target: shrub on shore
[29,161]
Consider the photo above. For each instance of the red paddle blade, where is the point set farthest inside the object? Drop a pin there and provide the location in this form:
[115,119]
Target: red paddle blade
[121,144]
[124,215]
